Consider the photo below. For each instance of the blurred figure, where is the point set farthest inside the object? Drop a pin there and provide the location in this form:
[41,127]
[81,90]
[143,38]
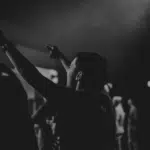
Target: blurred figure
[132,126]
[107,89]
[120,118]
[81,123]
[37,103]
[39,137]
[16,127]
[125,135]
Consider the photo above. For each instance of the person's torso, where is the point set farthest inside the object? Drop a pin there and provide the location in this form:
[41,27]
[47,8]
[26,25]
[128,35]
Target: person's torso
[120,117]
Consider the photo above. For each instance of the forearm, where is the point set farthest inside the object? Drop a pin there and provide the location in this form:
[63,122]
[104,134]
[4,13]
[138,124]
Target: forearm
[19,62]
[40,114]
[27,70]
[64,61]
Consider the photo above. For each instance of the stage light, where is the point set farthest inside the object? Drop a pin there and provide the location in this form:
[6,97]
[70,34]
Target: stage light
[4,74]
[148,83]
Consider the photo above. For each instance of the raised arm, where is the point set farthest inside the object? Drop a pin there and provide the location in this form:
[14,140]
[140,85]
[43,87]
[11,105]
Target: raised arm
[55,53]
[64,61]
[26,68]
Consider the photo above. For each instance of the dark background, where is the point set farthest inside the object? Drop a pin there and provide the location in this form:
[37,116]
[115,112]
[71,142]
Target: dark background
[116,29]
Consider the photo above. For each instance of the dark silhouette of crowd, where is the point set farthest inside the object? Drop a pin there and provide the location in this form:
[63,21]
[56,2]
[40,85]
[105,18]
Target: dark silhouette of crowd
[16,126]
[81,115]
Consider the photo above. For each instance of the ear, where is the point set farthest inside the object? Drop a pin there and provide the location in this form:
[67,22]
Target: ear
[79,75]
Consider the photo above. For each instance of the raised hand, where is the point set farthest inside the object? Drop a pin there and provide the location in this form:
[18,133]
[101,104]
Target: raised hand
[54,51]
[3,39]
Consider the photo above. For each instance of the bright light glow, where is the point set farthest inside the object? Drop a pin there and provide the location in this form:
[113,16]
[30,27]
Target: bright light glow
[148,83]
[4,74]
[51,74]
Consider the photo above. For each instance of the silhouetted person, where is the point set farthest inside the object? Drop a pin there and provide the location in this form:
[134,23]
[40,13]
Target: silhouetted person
[81,123]
[16,127]
[132,126]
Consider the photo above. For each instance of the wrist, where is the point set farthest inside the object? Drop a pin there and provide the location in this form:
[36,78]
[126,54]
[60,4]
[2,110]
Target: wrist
[61,56]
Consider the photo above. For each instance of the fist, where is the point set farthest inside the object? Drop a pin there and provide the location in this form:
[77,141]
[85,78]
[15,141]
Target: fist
[53,51]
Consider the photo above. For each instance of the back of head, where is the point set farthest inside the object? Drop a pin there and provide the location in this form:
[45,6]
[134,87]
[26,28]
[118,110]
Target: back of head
[94,69]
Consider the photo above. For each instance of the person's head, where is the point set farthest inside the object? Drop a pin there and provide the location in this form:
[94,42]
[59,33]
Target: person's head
[117,100]
[87,71]
[129,101]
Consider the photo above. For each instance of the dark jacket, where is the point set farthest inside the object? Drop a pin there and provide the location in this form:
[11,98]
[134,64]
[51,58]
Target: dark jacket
[83,121]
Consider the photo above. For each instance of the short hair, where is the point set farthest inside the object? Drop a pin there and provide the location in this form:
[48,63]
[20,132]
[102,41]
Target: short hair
[94,69]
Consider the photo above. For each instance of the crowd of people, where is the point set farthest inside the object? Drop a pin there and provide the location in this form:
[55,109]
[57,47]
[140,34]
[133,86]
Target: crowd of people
[126,120]
[81,115]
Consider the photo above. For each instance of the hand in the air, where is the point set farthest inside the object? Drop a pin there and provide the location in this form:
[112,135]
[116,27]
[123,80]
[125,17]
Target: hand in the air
[4,42]
[54,52]
[3,39]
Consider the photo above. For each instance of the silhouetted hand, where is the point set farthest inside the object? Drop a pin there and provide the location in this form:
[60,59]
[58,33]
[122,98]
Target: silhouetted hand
[4,42]
[3,39]
[54,51]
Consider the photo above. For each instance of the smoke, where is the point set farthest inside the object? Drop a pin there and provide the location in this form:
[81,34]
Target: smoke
[88,19]
[91,25]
